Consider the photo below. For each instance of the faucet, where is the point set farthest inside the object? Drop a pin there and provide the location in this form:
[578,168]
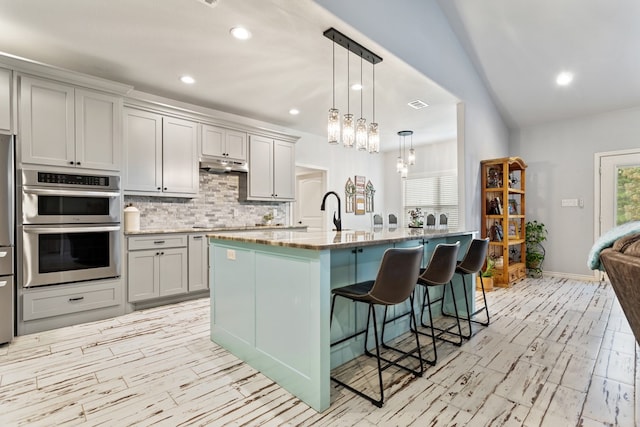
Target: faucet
[336,221]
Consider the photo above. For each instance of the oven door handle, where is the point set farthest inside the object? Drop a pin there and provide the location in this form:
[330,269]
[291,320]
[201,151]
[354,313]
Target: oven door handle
[76,193]
[58,230]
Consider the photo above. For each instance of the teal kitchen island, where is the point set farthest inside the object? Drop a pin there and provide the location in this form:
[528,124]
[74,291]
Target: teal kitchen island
[271,292]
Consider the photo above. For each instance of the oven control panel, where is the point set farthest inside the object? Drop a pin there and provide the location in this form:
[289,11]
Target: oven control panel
[68,179]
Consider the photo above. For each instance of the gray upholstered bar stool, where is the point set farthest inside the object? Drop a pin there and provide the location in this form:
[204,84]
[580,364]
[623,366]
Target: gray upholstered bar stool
[472,264]
[439,272]
[394,284]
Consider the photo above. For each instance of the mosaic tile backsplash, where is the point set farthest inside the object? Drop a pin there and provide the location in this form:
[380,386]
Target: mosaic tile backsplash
[217,205]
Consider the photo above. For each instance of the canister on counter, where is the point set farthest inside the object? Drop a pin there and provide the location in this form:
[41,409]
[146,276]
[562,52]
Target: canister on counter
[131,219]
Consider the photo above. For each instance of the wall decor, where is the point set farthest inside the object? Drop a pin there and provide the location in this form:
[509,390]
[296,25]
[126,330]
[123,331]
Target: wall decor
[368,196]
[360,200]
[349,196]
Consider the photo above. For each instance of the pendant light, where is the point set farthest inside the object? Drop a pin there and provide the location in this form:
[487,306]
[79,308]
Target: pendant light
[348,131]
[374,135]
[361,126]
[402,166]
[411,158]
[333,124]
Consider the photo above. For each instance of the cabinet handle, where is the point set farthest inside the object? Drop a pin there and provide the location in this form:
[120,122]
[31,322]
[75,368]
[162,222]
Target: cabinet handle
[356,250]
[76,299]
[3,283]
[164,189]
[197,237]
[157,253]
[159,188]
[78,163]
[158,242]
[70,163]
[161,253]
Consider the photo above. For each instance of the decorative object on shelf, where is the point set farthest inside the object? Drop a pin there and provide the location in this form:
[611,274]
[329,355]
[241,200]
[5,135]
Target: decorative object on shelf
[415,218]
[360,200]
[513,207]
[513,180]
[369,191]
[514,233]
[494,179]
[496,234]
[349,196]
[402,164]
[364,138]
[535,234]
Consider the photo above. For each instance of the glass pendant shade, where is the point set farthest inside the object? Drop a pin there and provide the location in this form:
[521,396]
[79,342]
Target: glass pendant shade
[348,131]
[374,138]
[361,134]
[411,159]
[399,164]
[333,126]
[404,171]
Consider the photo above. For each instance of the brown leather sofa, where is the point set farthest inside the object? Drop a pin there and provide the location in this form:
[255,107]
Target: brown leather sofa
[622,264]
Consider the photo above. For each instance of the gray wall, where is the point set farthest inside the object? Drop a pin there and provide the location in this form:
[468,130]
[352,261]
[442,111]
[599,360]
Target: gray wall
[417,32]
[560,159]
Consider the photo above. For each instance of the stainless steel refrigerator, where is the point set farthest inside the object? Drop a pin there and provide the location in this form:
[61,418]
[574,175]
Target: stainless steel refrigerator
[7,237]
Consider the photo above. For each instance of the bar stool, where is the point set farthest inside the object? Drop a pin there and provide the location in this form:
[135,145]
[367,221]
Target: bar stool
[431,221]
[394,284]
[472,264]
[439,272]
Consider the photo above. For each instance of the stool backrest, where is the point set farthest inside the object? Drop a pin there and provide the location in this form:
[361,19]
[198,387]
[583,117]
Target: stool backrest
[393,220]
[377,219]
[397,275]
[431,220]
[442,265]
[475,256]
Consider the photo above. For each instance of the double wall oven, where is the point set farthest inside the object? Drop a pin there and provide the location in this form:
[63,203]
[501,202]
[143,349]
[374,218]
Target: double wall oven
[69,227]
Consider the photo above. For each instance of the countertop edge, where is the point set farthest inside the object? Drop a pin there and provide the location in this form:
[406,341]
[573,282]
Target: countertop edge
[202,230]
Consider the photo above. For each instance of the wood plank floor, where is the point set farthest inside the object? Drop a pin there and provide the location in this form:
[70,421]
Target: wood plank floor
[558,352]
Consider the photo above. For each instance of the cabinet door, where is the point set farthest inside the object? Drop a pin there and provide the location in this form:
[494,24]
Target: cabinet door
[213,141]
[260,168]
[143,152]
[46,122]
[198,263]
[284,164]
[236,145]
[180,157]
[143,275]
[173,271]
[5,100]
[98,130]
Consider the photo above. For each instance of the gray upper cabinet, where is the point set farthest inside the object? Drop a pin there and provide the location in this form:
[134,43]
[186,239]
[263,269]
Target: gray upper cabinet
[224,143]
[161,154]
[271,169]
[5,100]
[61,125]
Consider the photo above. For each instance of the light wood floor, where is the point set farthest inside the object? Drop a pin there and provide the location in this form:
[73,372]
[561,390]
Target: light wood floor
[558,353]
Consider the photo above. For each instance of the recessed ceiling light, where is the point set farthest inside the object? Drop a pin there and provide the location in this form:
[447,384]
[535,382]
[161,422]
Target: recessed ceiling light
[564,78]
[188,80]
[240,33]
[417,104]
[294,111]
[356,86]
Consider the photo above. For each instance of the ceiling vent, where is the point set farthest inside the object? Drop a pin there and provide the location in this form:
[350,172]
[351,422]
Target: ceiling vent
[211,3]
[417,104]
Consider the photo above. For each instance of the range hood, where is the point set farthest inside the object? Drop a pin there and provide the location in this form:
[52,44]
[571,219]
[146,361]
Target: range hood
[216,165]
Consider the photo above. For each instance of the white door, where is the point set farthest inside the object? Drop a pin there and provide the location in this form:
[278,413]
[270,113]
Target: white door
[619,183]
[309,191]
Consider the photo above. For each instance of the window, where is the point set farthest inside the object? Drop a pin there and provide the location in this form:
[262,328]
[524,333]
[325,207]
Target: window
[434,194]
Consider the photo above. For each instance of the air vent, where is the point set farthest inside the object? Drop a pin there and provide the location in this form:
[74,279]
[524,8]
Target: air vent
[211,3]
[417,104]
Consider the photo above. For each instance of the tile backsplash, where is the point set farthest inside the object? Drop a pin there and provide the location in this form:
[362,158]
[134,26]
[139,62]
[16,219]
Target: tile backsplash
[217,205]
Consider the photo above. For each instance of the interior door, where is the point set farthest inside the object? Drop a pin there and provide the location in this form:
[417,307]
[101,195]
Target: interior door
[619,187]
[309,189]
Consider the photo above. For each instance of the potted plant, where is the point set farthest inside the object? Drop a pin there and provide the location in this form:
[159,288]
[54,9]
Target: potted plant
[415,218]
[267,218]
[487,275]
[535,234]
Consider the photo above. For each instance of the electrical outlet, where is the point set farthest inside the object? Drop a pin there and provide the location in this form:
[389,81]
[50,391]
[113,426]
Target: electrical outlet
[569,203]
[275,212]
[231,254]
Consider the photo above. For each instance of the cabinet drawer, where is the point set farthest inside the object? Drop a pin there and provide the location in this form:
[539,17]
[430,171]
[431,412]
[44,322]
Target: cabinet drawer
[157,241]
[6,261]
[38,304]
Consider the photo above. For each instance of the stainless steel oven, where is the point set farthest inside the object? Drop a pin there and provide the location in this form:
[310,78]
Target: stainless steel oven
[68,227]
[64,253]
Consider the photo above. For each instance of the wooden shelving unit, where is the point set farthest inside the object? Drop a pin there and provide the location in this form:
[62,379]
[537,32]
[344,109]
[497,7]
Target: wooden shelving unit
[503,219]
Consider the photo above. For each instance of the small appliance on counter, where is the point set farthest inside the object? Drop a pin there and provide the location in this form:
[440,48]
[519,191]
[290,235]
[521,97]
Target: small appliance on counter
[7,225]
[131,219]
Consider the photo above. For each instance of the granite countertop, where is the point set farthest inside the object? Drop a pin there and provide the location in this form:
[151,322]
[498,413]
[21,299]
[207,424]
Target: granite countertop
[206,229]
[335,240]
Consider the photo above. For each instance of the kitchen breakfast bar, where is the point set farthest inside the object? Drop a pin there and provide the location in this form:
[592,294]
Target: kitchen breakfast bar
[271,293]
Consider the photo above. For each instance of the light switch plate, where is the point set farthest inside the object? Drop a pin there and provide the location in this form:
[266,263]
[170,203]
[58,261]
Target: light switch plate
[569,203]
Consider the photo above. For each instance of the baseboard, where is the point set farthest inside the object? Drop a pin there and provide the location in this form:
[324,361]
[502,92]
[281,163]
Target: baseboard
[581,277]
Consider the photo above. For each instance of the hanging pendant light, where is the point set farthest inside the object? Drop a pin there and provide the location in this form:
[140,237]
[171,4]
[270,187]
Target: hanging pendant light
[348,131]
[374,135]
[361,126]
[402,166]
[333,124]
[411,159]
[399,160]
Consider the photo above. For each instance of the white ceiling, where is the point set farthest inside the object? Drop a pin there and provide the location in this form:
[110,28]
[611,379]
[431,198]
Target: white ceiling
[287,63]
[519,46]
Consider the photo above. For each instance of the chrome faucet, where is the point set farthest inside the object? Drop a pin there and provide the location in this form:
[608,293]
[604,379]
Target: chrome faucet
[336,221]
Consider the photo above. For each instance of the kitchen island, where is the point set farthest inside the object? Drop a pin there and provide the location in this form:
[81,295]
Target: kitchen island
[271,291]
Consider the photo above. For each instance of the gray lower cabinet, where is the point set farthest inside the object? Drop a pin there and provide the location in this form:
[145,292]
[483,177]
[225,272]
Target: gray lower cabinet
[157,266]
[198,262]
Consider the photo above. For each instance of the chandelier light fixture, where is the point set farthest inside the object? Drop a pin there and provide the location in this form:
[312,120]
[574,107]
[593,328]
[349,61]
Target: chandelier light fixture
[402,165]
[353,133]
